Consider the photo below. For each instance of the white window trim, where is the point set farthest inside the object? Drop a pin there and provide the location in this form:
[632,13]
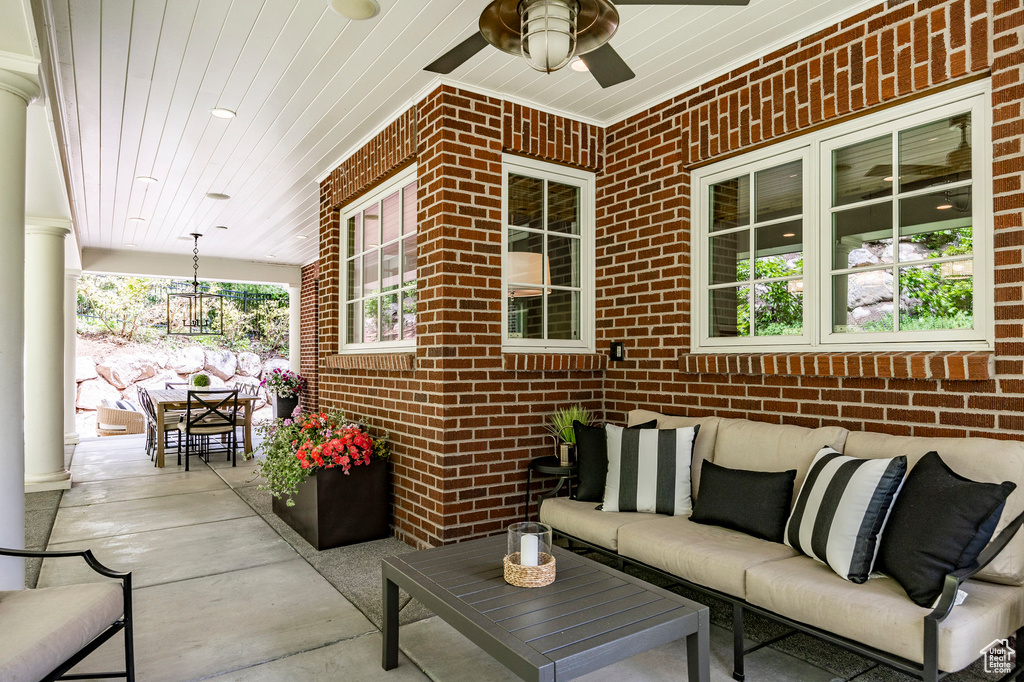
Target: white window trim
[586,182]
[817,182]
[374,196]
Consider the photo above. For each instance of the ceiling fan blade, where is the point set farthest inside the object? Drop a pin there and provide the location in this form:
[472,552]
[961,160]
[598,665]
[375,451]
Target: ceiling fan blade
[683,2]
[607,66]
[458,55]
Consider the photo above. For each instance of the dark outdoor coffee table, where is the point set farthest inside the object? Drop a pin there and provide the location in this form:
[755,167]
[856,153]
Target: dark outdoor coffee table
[590,617]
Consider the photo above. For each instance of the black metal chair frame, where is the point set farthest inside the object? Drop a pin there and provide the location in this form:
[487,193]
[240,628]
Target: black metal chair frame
[125,624]
[220,406]
[175,385]
[149,410]
[928,671]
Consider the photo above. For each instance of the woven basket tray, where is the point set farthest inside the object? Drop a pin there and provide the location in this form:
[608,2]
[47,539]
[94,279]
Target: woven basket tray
[529,576]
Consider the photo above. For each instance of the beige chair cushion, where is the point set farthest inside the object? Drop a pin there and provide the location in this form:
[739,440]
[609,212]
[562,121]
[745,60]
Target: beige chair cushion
[757,446]
[979,459]
[707,555]
[584,521]
[879,613]
[703,448]
[40,629]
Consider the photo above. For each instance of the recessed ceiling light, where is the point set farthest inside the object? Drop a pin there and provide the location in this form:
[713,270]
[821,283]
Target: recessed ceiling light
[129,244]
[943,207]
[185,239]
[220,227]
[356,9]
[217,196]
[789,234]
[579,65]
[302,236]
[888,179]
[137,220]
[222,113]
[146,179]
[270,255]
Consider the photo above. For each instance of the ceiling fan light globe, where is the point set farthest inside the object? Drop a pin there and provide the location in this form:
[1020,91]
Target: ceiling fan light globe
[357,10]
[549,33]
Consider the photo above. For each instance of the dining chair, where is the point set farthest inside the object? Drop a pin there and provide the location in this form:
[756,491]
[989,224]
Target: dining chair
[209,413]
[172,385]
[170,425]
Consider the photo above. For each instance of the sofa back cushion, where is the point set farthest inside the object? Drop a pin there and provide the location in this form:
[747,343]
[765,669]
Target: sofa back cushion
[979,459]
[703,447]
[743,444]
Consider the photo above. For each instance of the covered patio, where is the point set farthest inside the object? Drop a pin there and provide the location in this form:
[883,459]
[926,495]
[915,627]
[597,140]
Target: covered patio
[769,251]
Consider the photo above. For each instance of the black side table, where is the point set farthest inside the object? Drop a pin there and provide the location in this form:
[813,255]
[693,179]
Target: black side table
[548,466]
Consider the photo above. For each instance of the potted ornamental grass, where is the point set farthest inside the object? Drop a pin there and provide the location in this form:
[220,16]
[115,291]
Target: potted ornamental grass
[200,382]
[328,476]
[285,386]
[559,425]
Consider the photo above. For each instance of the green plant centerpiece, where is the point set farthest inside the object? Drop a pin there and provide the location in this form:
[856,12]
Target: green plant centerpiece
[559,425]
[293,449]
[201,380]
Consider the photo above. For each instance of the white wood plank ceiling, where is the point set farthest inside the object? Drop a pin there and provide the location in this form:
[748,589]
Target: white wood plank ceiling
[137,80]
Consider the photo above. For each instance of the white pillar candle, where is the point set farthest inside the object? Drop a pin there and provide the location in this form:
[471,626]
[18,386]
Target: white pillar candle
[528,550]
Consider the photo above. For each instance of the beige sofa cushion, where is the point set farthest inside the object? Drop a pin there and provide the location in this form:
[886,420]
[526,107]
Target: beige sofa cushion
[707,555]
[703,448]
[40,629]
[979,459]
[583,520]
[757,446]
[879,613]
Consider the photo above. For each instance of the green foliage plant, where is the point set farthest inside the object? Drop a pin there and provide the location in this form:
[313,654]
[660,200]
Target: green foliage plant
[560,422]
[201,380]
[292,449]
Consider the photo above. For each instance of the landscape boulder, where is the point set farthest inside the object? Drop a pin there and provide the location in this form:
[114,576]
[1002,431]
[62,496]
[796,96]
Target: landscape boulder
[121,371]
[159,382]
[187,360]
[249,364]
[221,363]
[275,363]
[93,392]
[85,368]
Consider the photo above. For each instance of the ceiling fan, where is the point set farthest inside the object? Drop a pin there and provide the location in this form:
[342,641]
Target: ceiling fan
[550,33]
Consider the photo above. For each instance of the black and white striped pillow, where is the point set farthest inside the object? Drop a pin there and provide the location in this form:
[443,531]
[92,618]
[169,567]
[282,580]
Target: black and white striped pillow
[841,509]
[649,470]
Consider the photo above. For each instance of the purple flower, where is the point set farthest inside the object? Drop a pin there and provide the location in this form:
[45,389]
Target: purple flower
[287,422]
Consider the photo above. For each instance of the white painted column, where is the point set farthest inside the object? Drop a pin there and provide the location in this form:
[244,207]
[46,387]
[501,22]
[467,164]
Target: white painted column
[16,92]
[44,354]
[70,352]
[294,327]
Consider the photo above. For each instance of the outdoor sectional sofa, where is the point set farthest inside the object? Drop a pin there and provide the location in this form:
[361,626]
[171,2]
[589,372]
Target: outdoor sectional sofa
[876,618]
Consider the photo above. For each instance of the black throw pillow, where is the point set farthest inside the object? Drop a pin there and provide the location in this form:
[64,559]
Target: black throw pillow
[592,459]
[939,523]
[753,502]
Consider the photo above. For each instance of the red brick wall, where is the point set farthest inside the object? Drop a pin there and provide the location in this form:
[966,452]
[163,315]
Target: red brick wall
[308,359]
[464,418]
[884,55]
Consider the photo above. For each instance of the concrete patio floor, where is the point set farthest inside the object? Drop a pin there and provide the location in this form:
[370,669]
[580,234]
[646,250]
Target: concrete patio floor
[223,590]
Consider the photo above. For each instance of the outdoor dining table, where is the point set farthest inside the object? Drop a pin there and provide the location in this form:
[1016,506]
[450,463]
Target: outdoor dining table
[177,399]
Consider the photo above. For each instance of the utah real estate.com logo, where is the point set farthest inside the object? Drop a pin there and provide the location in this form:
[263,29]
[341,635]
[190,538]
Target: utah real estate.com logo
[999,657]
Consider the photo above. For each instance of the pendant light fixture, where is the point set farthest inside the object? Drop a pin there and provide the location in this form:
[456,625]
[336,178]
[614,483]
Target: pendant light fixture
[195,313]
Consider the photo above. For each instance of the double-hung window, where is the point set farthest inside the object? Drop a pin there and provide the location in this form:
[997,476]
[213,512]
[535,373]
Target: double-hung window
[873,234]
[547,257]
[379,267]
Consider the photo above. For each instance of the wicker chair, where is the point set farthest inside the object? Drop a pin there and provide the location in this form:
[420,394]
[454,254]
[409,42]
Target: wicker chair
[106,416]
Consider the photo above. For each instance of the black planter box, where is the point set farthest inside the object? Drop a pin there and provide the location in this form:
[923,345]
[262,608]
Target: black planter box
[283,407]
[332,509]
